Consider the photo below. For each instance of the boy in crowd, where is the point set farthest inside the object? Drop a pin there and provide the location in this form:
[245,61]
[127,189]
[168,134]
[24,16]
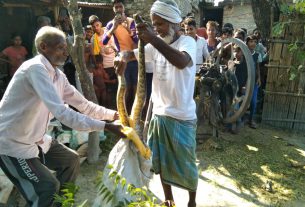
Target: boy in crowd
[251,42]
[123,31]
[202,45]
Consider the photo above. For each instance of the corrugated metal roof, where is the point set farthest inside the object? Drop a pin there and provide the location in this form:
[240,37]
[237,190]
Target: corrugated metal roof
[91,4]
[22,3]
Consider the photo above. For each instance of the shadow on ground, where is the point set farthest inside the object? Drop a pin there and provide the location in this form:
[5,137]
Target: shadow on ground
[256,166]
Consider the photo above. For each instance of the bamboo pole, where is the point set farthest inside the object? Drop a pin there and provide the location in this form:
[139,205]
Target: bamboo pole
[285,120]
[283,41]
[278,66]
[284,93]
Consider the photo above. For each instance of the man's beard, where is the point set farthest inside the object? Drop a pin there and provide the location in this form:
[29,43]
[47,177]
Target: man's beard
[168,39]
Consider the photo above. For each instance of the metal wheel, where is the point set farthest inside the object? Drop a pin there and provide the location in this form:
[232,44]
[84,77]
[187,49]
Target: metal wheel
[244,100]
[222,85]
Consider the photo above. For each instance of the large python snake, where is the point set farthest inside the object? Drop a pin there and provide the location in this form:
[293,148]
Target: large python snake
[129,157]
[134,121]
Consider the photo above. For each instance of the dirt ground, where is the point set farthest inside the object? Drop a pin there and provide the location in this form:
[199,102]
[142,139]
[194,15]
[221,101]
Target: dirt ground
[251,168]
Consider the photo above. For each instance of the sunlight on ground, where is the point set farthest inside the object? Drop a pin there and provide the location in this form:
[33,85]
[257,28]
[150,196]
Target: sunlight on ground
[225,189]
[269,173]
[224,171]
[251,148]
[247,161]
[302,152]
[276,180]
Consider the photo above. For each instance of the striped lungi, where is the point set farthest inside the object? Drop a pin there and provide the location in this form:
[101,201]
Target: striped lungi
[173,145]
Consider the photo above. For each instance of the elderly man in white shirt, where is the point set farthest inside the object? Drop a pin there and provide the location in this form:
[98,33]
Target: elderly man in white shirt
[37,92]
[202,53]
[172,129]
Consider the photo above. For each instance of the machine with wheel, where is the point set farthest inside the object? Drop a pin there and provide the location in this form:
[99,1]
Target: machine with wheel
[217,87]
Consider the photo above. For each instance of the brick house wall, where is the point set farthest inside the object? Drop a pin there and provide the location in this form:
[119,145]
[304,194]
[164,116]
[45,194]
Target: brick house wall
[240,15]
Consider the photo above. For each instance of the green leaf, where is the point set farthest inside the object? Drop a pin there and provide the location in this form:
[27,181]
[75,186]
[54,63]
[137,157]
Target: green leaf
[300,56]
[114,173]
[123,182]
[292,76]
[109,166]
[292,47]
[101,187]
[109,198]
[278,29]
[130,187]
[105,190]
[285,9]
[117,179]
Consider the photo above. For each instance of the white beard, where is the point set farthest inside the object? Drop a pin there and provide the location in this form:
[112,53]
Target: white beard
[168,39]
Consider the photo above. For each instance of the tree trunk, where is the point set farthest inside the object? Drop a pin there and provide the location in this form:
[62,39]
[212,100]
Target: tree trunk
[77,53]
[265,13]
[262,16]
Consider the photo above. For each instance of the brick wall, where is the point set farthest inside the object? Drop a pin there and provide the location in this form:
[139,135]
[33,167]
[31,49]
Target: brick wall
[240,16]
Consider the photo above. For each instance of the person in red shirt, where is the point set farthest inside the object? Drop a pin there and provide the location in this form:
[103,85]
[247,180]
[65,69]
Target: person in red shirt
[202,32]
[15,54]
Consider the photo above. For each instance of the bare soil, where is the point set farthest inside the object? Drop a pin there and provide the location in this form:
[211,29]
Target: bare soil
[255,168]
[251,168]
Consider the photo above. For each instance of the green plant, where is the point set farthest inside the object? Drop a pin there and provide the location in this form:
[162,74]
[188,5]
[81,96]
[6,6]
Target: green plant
[298,52]
[296,48]
[141,197]
[66,198]
[300,6]
[292,10]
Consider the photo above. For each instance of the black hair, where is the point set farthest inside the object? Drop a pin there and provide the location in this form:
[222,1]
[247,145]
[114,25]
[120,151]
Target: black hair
[246,31]
[117,1]
[227,30]
[241,32]
[98,58]
[190,21]
[229,25]
[42,19]
[15,34]
[251,37]
[93,19]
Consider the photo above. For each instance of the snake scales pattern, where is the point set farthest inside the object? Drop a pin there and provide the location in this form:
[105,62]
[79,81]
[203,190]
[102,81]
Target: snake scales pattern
[134,120]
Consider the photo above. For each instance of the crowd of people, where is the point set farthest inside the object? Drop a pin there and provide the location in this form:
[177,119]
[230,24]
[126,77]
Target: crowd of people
[103,43]
[205,47]
[40,87]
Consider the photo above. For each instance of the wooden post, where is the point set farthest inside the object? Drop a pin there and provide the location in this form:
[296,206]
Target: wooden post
[76,51]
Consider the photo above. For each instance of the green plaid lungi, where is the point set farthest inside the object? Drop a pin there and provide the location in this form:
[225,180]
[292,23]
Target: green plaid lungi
[173,145]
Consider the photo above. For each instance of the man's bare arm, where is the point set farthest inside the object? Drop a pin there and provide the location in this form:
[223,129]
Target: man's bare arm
[174,56]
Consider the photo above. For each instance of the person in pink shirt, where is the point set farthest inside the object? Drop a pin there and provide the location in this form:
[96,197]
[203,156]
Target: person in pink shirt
[39,91]
[16,54]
